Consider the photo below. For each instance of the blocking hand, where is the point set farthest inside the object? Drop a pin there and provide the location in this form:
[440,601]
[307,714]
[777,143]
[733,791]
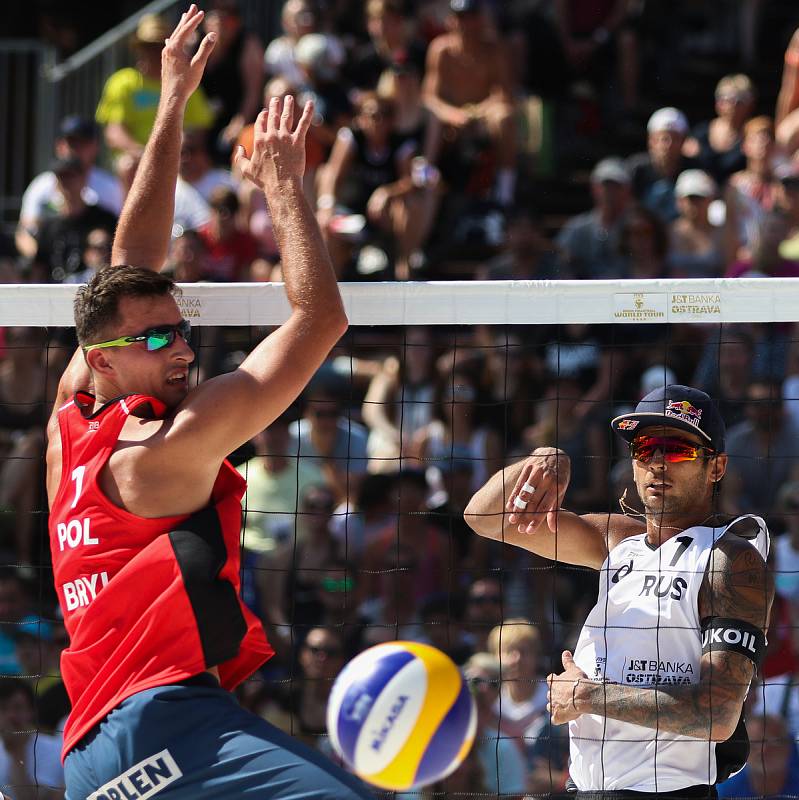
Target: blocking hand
[539,490]
[279,147]
[181,70]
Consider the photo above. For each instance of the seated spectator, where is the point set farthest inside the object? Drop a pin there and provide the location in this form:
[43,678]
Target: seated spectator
[233,76]
[188,258]
[786,547]
[197,168]
[752,192]
[401,83]
[96,255]
[328,438]
[298,18]
[763,451]
[483,611]
[502,762]
[358,526]
[130,96]
[441,624]
[61,239]
[655,172]
[457,432]
[300,707]
[390,35]
[695,244]
[589,242]
[787,203]
[716,146]
[772,769]
[467,87]
[369,174]
[644,245]
[77,137]
[527,254]
[27,757]
[291,574]
[276,478]
[231,250]
[399,400]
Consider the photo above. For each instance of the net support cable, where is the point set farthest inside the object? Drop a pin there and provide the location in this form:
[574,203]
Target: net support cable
[458,302]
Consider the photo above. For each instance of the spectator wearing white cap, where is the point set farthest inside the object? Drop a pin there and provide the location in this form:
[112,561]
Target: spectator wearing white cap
[696,245]
[590,242]
[655,172]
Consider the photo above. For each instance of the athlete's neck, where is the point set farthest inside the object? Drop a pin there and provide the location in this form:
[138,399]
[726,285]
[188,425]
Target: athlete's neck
[662,526]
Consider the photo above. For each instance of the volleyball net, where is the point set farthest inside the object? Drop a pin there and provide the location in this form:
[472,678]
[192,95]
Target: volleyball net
[353,530]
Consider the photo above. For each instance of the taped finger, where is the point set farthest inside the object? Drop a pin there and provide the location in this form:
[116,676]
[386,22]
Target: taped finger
[519,503]
[529,488]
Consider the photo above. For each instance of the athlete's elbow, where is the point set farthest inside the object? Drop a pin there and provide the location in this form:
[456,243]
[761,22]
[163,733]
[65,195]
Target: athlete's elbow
[480,522]
[721,731]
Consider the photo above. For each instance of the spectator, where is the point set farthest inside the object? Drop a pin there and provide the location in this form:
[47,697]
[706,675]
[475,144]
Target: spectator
[369,174]
[467,87]
[188,258]
[28,758]
[457,433]
[589,243]
[334,442]
[401,83]
[655,172]
[716,146]
[191,209]
[501,760]
[399,401]
[752,192]
[77,137]
[766,259]
[197,168]
[230,249]
[96,255]
[696,245]
[786,547]
[644,245]
[786,120]
[772,769]
[276,478]
[130,96]
[233,77]
[527,254]
[61,240]
[483,611]
[441,622]
[762,451]
[298,18]
[390,37]
[290,575]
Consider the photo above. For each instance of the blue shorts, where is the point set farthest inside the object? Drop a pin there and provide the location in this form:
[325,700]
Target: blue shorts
[193,740]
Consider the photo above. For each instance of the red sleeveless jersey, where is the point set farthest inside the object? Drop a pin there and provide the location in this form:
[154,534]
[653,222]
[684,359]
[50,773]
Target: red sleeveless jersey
[146,602]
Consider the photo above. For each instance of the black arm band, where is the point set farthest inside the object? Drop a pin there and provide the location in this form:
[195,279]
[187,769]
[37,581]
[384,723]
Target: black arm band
[734,636]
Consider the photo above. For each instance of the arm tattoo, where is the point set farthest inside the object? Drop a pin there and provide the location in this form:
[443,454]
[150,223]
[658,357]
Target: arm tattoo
[738,585]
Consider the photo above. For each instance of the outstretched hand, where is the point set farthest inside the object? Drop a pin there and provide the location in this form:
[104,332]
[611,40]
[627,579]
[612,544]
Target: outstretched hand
[540,488]
[182,70]
[279,147]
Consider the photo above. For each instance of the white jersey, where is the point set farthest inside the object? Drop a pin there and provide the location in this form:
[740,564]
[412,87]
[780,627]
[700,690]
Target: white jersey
[645,631]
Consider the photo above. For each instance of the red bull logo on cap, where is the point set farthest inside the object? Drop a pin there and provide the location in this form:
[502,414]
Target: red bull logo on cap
[684,410]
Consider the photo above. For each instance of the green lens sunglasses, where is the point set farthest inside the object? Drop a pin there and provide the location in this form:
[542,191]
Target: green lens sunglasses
[155,338]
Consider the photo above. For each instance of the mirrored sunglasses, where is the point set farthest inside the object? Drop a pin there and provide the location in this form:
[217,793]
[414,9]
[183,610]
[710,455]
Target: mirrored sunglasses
[674,450]
[154,338]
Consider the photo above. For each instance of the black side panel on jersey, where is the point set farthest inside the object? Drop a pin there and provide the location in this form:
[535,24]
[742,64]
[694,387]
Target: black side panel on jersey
[200,552]
[731,754]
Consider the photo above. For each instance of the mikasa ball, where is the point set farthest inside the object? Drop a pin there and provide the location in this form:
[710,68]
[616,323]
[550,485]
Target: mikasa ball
[401,715]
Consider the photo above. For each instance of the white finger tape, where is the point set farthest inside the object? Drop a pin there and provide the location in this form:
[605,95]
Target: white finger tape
[528,488]
[519,503]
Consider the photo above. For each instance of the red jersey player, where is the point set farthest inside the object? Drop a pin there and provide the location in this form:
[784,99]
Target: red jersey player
[145,515]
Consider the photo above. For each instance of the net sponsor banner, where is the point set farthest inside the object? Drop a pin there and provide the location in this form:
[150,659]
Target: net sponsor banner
[458,302]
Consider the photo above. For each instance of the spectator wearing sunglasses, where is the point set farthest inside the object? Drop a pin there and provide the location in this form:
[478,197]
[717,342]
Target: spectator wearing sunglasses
[655,688]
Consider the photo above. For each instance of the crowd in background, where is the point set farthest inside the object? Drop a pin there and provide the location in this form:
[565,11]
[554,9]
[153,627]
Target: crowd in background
[435,125]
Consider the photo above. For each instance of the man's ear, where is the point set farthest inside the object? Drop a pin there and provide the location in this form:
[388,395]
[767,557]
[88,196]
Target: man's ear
[99,362]
[718,467]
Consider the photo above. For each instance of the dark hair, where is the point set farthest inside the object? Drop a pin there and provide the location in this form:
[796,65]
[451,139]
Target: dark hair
[12,686]
[97,303]
[659,232]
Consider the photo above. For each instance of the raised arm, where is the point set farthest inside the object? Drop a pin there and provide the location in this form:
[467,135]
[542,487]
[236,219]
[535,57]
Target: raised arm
[145,224]
[737,587]
[541,528]
[228,410]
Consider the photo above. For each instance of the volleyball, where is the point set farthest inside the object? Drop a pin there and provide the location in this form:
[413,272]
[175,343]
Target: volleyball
[401,715]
